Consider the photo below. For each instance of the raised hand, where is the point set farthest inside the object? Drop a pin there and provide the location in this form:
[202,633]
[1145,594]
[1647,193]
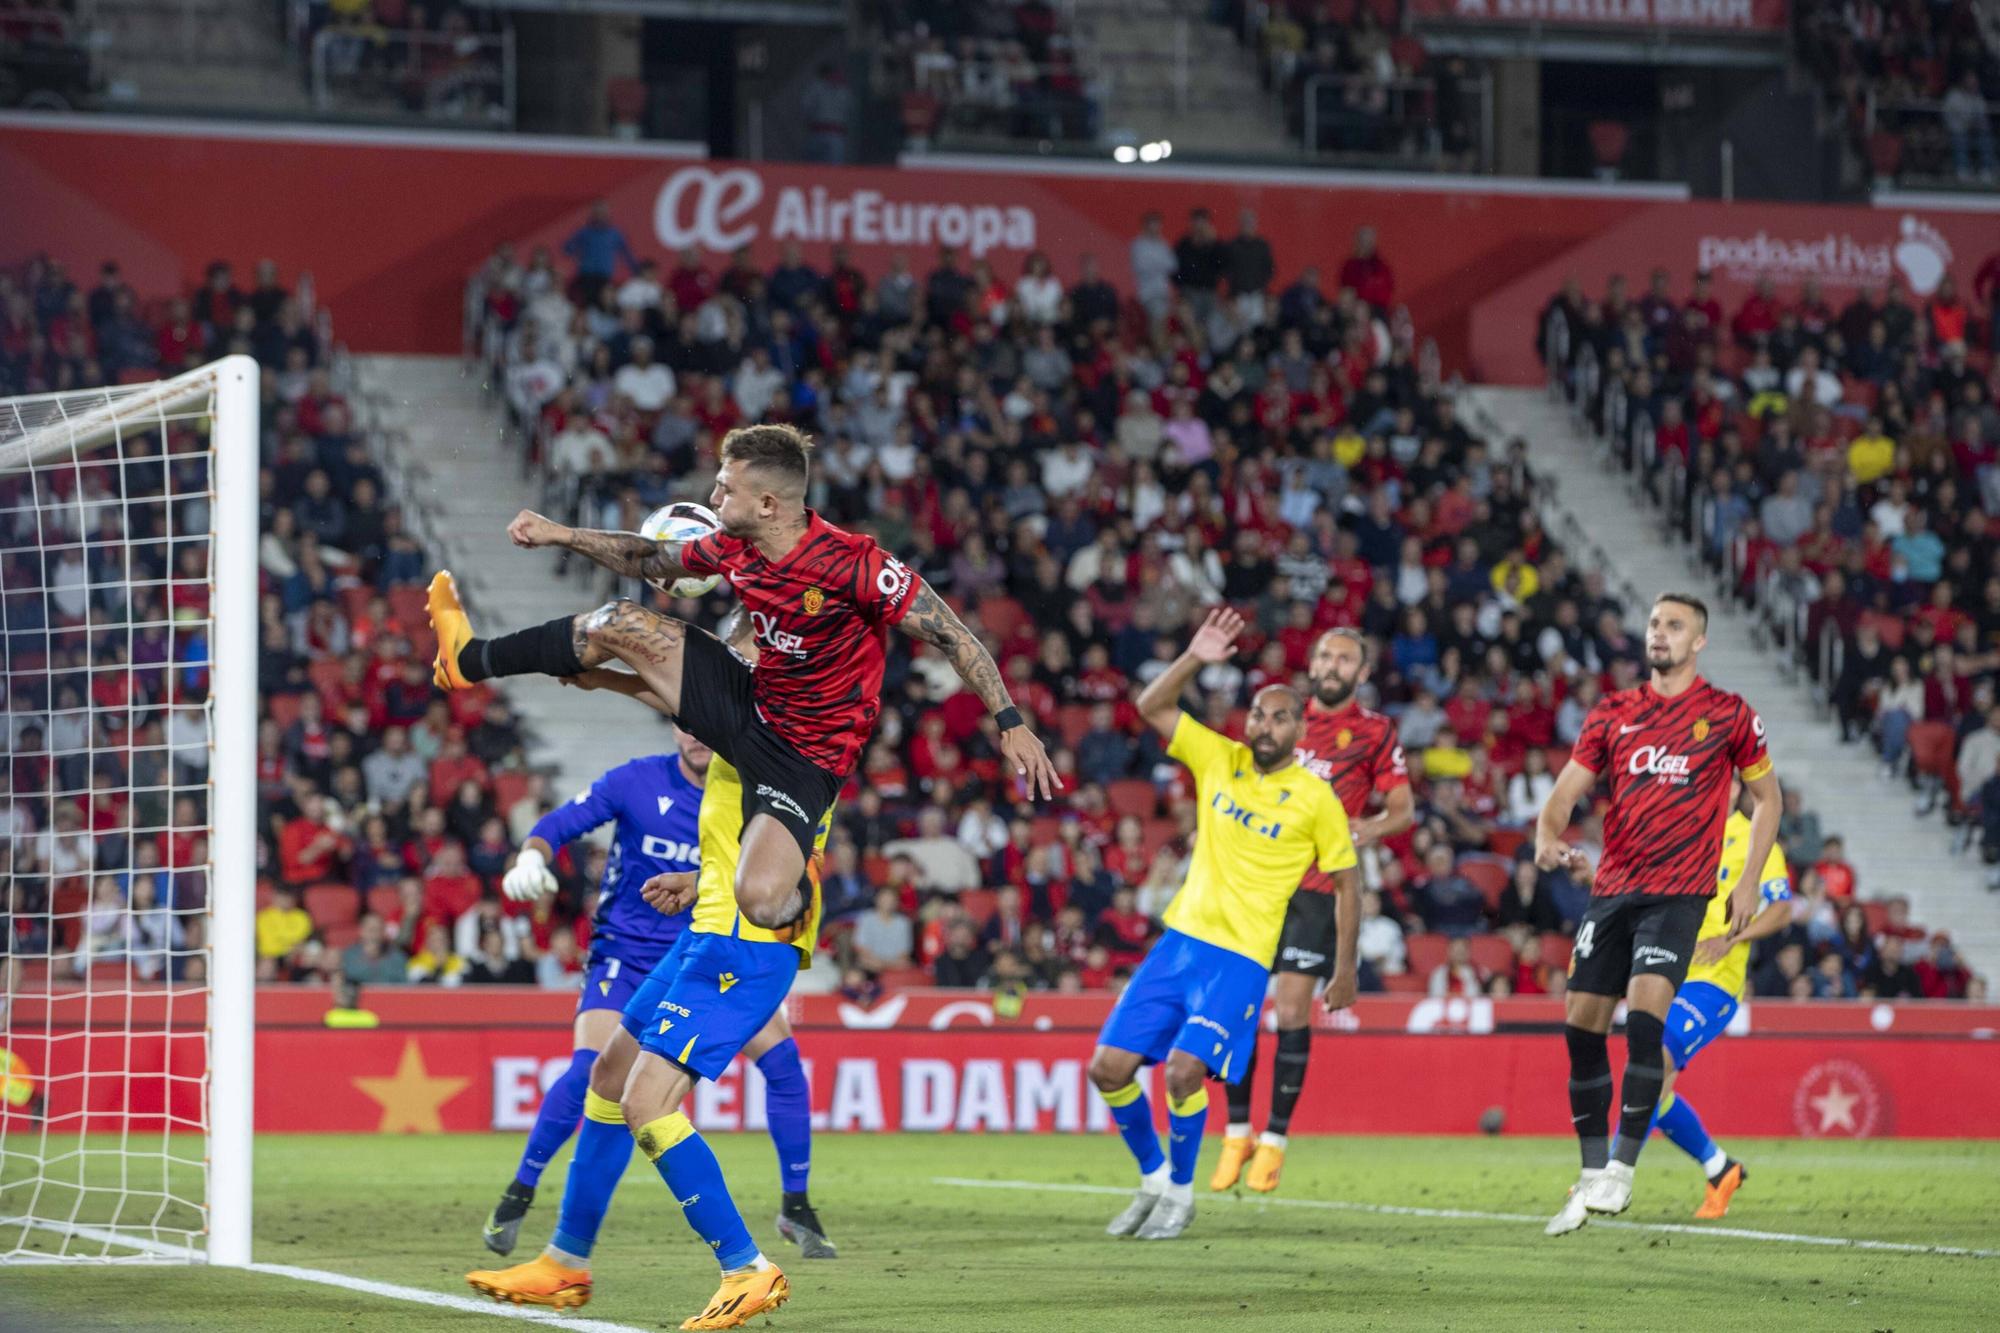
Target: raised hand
[1029,758]
[1215,641]
[530,878]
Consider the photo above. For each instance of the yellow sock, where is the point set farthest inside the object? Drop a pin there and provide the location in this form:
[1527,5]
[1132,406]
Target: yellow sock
[1124,1096]
[655,1137]
[602,1109]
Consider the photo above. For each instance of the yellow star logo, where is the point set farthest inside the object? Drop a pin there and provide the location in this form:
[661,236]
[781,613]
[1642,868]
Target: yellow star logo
[410,1098]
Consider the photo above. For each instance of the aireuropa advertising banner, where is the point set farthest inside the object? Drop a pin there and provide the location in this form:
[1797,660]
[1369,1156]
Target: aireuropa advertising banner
[1704,16]
[391,228]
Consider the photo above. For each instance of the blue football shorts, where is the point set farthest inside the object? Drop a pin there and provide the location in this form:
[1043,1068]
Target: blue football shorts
[722,994]
[1700,1014]
[1190,996]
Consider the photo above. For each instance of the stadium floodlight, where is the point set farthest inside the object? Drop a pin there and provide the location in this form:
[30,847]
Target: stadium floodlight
[129,549]
[1125,153]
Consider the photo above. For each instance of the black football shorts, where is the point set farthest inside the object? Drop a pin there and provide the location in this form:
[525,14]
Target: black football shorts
[1628,934]
[1306,945]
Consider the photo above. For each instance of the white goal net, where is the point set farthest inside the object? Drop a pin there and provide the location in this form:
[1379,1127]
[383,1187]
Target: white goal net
[128,565]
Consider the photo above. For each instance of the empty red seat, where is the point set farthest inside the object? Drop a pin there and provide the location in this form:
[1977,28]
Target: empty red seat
[1132,796]
[1487,874]
[331,904]
[1426,953]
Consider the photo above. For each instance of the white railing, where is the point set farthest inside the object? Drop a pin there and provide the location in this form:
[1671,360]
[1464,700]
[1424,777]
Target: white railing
[441,76]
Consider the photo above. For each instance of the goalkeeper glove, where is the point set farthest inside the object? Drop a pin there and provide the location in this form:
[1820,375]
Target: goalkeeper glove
[530,878]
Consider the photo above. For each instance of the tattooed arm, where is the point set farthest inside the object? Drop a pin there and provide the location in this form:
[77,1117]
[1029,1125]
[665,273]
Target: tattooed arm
[625,553]
[935,623]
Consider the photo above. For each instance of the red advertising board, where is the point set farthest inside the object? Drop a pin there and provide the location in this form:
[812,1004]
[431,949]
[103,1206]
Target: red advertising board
[1705,16]
[391,228]
[948,1062]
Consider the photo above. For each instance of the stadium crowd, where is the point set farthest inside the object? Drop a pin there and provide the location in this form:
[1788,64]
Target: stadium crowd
[1917,86]
[1084,461]
[1838,466]
[995,69]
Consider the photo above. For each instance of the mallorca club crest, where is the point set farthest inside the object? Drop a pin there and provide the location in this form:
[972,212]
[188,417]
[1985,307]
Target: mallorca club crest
[1341,738]
[1700,730]
[814,600]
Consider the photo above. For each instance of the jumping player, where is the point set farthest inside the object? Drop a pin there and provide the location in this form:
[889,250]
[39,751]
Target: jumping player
[1355,749]
[1193,1003]
[820,600]
[651,804]
[1668,749]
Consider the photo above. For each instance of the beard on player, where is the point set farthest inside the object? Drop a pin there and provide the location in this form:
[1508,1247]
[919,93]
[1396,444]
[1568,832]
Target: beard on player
[1332,689]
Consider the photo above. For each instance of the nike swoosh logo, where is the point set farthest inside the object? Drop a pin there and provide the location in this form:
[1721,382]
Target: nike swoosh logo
[1634,727]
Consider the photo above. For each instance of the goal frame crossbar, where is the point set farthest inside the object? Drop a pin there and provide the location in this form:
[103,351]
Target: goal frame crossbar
[232,385]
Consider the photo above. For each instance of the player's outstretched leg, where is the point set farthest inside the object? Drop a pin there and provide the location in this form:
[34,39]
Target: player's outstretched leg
[788,1116]
[1114,1073]
[1683,1128]
[1639,1101]
[1237,1143]
[554,1123]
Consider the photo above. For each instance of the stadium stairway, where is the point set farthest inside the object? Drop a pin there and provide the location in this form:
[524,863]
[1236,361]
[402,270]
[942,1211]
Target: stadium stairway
[197,56]
[451,454]
[1893,851]
[1147,47]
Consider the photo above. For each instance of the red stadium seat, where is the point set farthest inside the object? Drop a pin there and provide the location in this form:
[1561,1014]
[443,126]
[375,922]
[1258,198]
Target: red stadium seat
[1158,833]
[1556,948]
[1001,615]
[354,600]
[904,978]
[1406,983]
[509,786]
[283,708]
[1931,748]
[1488,875]
[875,868]
[331,904]
[384,902]
[338,937]
[1504,842]
[1045,829]
[325,675]
[1073,720]
[1132,796]
[1876,910]
[979,904]
[1426,952]
[407,604]
[1493,953]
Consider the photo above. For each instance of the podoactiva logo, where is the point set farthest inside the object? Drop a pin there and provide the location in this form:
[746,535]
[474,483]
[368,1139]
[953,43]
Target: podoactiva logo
[726,209]
[1838,1099]
[1917,254]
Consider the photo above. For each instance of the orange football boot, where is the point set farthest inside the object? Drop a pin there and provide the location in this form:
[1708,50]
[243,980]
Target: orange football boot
[1235,1152]
[453,630]
[1721,1190]
[540,1281]
[743,1295]
[1264,1168]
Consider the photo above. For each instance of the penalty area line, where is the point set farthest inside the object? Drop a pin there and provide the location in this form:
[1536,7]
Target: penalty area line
[1474,1215]
[344,1282]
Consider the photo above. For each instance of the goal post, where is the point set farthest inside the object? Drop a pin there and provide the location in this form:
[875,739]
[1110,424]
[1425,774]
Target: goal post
[127,984]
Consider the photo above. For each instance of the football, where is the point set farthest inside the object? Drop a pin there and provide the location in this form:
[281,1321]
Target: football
[682,521]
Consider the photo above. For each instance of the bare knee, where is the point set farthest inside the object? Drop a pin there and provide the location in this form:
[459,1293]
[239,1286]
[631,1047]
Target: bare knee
[1292,1009]
[767,900]
[1185,1076]
[1111,1070]
[607,1076]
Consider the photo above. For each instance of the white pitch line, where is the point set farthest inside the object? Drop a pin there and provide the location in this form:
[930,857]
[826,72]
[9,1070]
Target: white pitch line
[1473,1215]
[386,1290]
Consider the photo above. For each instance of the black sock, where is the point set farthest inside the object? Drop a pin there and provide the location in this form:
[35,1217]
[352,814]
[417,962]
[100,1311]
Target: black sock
[1288,1076]
[546,650]
[1590,1093]
[1239,1091]
[1645,1075]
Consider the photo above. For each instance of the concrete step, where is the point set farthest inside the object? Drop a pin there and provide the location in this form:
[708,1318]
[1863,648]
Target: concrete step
[1893,850]
[473,487]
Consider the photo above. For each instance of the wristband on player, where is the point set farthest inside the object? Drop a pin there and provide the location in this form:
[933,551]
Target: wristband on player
[1007,718]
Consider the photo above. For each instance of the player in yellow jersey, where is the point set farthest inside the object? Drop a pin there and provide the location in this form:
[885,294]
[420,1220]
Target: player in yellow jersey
[719,993]
[1708,999]
[1263,819]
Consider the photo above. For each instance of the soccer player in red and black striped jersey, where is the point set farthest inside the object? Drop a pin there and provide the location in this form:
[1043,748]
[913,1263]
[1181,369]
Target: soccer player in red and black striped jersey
[821,602]
[1356,750]
[1667,750]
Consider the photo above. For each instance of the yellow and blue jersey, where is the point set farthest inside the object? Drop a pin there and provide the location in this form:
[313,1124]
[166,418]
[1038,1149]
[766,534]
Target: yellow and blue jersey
[1729,972]
[1255,836]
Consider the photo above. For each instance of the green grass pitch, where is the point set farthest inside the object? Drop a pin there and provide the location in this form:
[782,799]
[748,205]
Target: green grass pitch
[920,1255]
